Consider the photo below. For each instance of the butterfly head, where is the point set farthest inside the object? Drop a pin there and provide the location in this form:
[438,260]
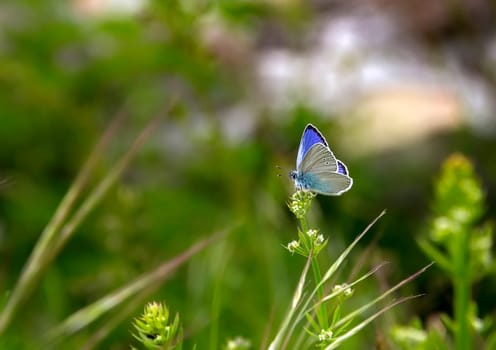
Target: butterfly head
[293,174]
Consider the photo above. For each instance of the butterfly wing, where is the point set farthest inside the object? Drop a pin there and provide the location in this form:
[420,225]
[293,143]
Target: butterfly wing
[342,169]
[318,158]
[311,136]
[327,183]
[322,173]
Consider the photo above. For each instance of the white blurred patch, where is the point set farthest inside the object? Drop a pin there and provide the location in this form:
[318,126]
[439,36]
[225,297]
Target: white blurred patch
[400,116]
[238,123]
[389,88]
[108,7]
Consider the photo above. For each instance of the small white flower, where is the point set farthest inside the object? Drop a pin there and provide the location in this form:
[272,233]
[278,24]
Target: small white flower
[293,245]
[238,343]
[325,335]
[311,233]
[344,288]
[319,240]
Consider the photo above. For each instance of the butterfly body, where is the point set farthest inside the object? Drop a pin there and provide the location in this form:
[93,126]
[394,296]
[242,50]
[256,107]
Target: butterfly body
[317,169]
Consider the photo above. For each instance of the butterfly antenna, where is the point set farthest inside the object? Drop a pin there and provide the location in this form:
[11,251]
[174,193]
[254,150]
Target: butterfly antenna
[279,174]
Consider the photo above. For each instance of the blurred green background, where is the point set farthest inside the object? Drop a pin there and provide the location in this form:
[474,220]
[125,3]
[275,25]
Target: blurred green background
[394,86]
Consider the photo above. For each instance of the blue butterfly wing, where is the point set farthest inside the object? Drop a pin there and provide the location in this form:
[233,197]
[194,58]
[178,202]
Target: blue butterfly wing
[331,184]
[322,173]
[342,169]
[311,136]
[318,158]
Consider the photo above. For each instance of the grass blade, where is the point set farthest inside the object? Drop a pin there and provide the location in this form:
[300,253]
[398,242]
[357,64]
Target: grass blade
[347,251]
[337,342]
[330,272]
[38,260]
[382,296]
[334,294]
[276,343]
[102,188]
[90,313]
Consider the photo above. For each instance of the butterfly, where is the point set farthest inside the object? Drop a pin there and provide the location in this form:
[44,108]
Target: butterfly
[317,169]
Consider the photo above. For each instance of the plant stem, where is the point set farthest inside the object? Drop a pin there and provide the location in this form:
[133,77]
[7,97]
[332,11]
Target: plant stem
[321,310]
[304,225]
[462,292]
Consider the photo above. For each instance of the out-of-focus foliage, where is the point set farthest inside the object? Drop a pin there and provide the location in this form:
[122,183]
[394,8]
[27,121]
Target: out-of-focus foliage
[64,76]
[416,337]
[462,250]
[458,206]
[66,68]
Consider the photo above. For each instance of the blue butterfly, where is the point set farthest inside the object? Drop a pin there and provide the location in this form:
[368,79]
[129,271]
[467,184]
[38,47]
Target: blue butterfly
[317,170]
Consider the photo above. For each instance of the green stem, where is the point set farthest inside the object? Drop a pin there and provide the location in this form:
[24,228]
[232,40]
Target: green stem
[321,310]
[304,225]
[462,292]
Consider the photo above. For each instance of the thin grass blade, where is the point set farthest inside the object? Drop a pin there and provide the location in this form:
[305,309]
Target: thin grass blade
[336,293]
[281,334]
[38,260]
[304,309]
[339,340]
[92,312]
[102,188]
[382,296]
[436,255]
[347,251]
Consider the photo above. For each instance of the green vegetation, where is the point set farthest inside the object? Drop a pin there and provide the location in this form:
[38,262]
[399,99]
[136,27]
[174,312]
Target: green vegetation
[139,155]
[461,247]
[154,331]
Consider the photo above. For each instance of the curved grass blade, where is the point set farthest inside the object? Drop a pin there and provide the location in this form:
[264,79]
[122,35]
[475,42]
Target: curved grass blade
[382,296]
[92,312]
[39,258]
[339,340]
